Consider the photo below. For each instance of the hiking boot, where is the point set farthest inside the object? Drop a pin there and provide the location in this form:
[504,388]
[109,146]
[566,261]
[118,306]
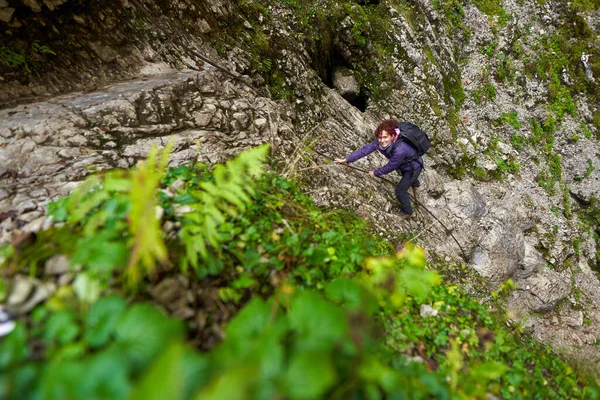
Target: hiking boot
[404,215]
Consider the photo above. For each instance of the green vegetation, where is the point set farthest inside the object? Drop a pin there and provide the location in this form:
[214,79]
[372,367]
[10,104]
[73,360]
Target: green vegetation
[485,93]
[315,305]
[587,172]
[12,59]
[505,71]
[589,215]
[490,7]
[509,118]
[22,60]
[454,13]
[517,141]
[586,131]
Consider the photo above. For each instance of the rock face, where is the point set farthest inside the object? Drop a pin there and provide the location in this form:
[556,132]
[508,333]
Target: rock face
[346,84]
[47,148]
[515,225]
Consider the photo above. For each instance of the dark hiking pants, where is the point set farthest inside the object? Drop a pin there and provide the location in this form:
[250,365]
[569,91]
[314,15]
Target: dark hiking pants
[410,178]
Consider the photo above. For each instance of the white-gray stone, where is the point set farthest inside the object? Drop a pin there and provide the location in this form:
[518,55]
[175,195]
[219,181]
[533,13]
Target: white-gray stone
[57,265]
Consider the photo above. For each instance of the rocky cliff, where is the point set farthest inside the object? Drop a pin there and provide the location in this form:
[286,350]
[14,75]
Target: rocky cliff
[507,91]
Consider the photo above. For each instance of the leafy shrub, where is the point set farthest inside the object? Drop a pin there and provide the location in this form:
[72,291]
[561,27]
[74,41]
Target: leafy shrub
[317,318]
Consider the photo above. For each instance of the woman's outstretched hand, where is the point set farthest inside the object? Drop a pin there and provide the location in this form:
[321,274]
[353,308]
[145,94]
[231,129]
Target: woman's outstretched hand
[372,174]
[341,161]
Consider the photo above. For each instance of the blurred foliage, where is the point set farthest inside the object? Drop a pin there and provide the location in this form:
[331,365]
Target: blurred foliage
[322,307]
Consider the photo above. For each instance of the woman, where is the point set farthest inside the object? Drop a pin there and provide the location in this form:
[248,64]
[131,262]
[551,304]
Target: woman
[403,158]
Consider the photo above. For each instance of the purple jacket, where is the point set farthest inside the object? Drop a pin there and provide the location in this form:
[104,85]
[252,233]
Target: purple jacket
[398,160]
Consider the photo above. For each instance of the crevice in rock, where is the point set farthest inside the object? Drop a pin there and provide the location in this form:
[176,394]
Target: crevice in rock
[330,60]
[359,101]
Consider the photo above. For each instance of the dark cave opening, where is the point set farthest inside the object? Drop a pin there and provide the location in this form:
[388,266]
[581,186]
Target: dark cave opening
[326,68]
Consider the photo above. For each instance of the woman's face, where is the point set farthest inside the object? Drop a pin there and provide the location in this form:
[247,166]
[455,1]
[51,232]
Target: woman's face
[384,139]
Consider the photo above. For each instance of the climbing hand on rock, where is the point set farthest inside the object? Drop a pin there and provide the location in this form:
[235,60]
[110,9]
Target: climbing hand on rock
[372,174]
[341,161]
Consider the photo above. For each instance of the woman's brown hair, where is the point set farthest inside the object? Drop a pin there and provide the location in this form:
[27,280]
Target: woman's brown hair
[387,125]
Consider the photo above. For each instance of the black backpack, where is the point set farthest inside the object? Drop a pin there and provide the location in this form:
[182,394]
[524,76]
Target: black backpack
[414,136]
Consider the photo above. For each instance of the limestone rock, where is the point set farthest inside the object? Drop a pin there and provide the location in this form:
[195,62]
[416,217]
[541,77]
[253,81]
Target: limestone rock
[57,265]
[105,53]
[346,84]
[6,14]
[547,288]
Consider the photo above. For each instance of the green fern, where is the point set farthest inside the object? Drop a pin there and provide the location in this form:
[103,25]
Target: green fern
[116,215]
[228,195]
[148,245]
[13,60]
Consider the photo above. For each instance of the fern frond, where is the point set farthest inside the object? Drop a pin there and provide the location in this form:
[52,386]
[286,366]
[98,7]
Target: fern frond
[148,245]
[229,194]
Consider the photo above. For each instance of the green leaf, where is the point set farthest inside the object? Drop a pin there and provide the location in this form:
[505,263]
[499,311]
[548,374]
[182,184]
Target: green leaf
[114,184]
[59,209]
[168,370]
[309,375]
[20,382]
[106,376]
[82,208]
[419,282]
[351,294]
[488,371]
[318,322]
[87,288]
[250,321]
[62,327]
[231,384]
[63,380]
[102,320]
[143,331]
[99,253]
[13,347]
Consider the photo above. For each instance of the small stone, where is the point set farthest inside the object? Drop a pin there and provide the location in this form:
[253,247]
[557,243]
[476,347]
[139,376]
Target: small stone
[181,209]
[203,26]
[30,216]
[39,193]
[159,212]
[168,226]
[178,184]
[416,359]
[21,289]
[184,313]
[6,14]
[428,311]
[7,322]
[57,265]
[47,223]
[43,291]
[35,225]
[574,320]
[79,19]
[65,279]
[34,5]
[169,290]
[27,205]
[105,53]
[260,122]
